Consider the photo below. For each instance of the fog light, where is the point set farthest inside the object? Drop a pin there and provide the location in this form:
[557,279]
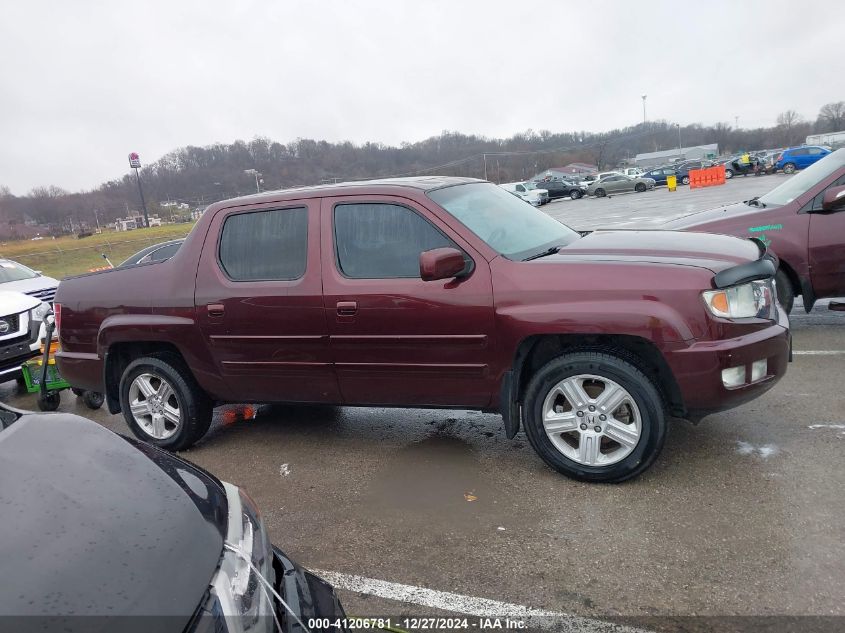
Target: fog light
[733,376]
[759,369]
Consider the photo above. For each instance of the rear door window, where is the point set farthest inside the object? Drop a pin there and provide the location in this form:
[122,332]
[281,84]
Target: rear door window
[265,245]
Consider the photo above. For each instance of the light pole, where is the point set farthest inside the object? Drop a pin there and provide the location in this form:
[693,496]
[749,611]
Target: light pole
[258,179]
[679,139]
[135,163]
[643,98]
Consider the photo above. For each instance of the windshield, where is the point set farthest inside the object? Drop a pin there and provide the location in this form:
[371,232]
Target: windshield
[805,180]
[13,271]
[510,226]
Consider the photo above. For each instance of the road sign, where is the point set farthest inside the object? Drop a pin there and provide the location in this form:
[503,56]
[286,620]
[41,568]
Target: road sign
[134,160]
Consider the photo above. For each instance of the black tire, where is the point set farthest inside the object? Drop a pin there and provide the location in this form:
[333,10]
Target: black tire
[600,193]
[20,383]
[685,180]
[644,393]
[194,405]
[729,173]
[77,392]
[786,293]
[93,399]
[789,168]
[639,187]
[574,195]
[49,402]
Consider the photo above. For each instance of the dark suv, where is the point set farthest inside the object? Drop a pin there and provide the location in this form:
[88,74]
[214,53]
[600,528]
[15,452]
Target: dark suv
[562,189]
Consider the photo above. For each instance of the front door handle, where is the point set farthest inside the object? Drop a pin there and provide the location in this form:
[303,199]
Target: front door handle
[216,309]
[347,308]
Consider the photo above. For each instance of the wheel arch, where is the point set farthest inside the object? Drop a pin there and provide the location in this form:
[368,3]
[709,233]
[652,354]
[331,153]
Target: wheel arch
[536,350]
[120,354]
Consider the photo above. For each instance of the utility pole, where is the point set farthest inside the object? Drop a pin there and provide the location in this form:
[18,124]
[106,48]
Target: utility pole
[97,220]
[135,163]
[679,139]
[258,178]
[485,166]
[643,98]
[736,122]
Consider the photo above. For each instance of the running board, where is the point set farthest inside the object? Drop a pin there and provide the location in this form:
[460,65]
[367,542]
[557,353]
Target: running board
[836,306]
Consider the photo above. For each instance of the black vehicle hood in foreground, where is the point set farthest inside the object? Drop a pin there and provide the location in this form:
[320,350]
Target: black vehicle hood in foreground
[94,524]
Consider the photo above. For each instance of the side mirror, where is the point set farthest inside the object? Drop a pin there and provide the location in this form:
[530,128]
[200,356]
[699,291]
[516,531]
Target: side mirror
[37,272]
[441,263]
[834,199]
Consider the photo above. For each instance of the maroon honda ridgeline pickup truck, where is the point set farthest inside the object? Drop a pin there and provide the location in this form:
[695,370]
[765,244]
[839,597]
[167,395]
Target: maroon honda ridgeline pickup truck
[432,292]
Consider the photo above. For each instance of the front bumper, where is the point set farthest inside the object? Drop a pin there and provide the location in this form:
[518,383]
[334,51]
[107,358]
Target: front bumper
[307,595]
[698,367]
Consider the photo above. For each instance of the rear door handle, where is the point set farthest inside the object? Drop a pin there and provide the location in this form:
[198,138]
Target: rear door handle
[216,309]
[347,308]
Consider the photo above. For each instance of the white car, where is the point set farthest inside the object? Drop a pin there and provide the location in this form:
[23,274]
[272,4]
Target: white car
[21,331]
[589,180]
[631,172]
[528,192]
[18,278]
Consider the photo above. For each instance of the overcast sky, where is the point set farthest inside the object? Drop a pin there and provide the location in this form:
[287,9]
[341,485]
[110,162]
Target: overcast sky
[84,83]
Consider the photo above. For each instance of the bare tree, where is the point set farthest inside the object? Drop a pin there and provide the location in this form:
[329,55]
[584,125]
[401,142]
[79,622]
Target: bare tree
[831,117]
[788,119]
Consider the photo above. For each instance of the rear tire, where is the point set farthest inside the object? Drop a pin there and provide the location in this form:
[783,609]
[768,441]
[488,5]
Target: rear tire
[600,193]
[644,432]
[729,173]
[574,195]
[93,399]
[639,187]
[786,294]
[685,180]
[162,389]
[789,168]
[50,401]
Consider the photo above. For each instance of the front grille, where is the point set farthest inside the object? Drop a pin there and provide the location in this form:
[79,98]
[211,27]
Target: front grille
[9,324]
[45,294]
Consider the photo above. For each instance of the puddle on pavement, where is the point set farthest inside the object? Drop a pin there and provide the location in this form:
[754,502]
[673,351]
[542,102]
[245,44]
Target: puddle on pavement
[440,477]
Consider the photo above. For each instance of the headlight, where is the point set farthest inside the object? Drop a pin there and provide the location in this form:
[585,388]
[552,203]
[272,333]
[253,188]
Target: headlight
[754,299]
[239,591]
[41,311]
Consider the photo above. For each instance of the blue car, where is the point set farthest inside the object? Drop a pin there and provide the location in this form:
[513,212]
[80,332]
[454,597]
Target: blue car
[800,157]
[659,174]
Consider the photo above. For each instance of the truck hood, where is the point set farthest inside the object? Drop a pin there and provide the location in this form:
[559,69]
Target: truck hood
[30,286]
[99,525]
[703,250]
[703,218]
[15,302]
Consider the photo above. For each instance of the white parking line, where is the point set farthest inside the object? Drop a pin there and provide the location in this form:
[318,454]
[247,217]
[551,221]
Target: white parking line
[468,605]
[819,352]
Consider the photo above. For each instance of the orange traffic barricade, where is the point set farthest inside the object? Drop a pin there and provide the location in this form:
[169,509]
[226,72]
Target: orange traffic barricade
[708,177]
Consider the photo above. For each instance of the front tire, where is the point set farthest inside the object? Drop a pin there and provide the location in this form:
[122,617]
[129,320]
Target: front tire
[600,193]
[685,180]
[639,188]
[574,195]
[789,168]
[163,404]
[786,294]
[564,406]
[729,173]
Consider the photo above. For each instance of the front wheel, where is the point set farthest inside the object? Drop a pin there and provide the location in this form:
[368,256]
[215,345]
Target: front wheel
[574,195]
[163,404]
[786,294]
[600,193]
[729,173]
[685,180]
[640,187]
[49,401]
[789,168]
[594,417]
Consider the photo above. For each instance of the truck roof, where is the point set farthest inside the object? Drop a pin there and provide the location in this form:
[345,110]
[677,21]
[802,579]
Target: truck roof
[383,185]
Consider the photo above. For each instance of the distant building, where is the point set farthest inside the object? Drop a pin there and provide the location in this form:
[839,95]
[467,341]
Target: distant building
[135,222]
[567,171]
[834,140]
[653,159]
[174,204]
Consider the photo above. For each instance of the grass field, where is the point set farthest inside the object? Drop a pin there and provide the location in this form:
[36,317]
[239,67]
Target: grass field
[65,256]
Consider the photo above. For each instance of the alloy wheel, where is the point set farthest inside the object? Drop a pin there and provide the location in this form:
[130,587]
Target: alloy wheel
[154,406]
[592,420]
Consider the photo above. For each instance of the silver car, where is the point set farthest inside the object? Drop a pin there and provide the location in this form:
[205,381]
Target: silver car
[619,183]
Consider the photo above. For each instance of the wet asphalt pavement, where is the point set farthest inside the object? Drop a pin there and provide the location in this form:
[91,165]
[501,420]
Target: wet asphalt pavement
[741,515]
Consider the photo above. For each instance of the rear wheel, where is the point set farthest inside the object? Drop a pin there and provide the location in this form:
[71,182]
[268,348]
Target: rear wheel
[93,399]
[789,168]
[640,187]
[685,180]
[786,294]
[729,173]
[600,193]
[574,195]
[49,401]
[163,404]
[595,417]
